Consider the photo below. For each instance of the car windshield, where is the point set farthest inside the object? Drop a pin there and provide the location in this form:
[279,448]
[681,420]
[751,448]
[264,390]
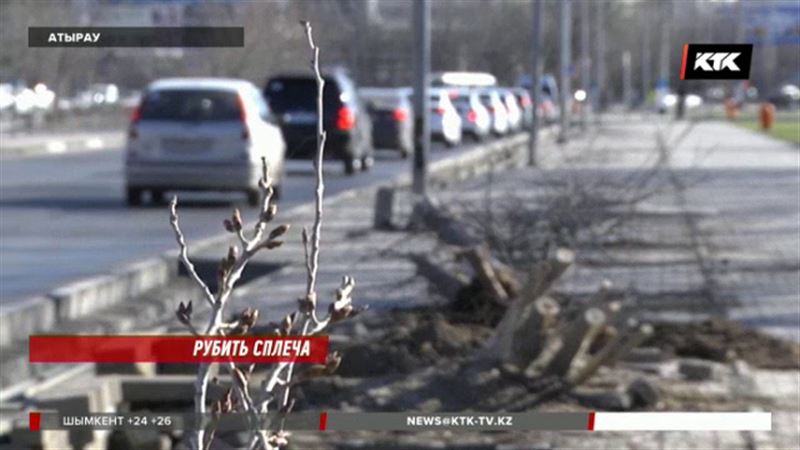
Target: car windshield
[191,105]
[300,94]
[385,103]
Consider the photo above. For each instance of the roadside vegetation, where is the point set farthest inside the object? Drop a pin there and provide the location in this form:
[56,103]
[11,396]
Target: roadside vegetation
[786,126]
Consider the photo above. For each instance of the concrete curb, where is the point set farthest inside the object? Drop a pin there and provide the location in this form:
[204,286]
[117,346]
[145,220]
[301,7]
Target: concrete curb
[83,297]
[69,144]
[393,201]
[25,318]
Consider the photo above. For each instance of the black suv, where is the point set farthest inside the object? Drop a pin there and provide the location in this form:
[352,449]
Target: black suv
[293,100]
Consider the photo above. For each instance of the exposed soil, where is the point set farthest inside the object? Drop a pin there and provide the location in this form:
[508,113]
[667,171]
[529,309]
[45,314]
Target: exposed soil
[723,341]
[408,340]
[424,360]
[401,342]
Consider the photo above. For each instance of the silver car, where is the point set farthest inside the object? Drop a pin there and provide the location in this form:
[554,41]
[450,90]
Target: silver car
[525,104]
[490,97]
[513,109]
[201,134]
[475,119]
[392,117]
[444,119]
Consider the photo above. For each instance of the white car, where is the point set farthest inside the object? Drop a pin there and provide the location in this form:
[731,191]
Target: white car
[513,109]
[490,98]
[6,99]
[201,134]
[104,94]
[445,122]
[667,101]
[475,119]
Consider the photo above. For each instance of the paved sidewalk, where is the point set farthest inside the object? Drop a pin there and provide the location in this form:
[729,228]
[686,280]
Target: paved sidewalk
[378,260]
[720,239]
[753,239]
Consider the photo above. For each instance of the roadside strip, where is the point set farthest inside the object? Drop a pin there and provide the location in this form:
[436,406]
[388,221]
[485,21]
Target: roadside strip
[58,144]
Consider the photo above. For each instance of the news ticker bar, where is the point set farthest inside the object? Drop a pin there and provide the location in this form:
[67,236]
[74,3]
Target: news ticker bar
[60,37]
[366,421]
[176,349]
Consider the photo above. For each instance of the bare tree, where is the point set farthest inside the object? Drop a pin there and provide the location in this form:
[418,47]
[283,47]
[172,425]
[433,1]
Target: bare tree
[276,389]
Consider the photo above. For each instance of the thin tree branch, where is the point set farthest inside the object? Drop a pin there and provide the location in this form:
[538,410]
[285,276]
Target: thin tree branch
[321,136]
[184,251]
[231,271]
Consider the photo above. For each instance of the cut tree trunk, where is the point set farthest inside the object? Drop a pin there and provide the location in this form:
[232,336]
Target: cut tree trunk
[529,339]
[616,347]
[576,335]
[514,330]
[497,279]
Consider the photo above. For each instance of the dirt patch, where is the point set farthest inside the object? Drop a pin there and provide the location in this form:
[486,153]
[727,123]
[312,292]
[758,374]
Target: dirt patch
[408,340]
[724,341]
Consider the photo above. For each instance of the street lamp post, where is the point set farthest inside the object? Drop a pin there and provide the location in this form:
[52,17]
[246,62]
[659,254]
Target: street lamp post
[565,42]
[600,58]
[536,75]
[422,19]
[586,61]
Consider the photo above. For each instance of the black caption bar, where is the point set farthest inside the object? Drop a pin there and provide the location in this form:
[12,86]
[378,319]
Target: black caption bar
[135,36]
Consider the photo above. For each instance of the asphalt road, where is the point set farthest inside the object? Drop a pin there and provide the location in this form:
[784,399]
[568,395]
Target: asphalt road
[63,218]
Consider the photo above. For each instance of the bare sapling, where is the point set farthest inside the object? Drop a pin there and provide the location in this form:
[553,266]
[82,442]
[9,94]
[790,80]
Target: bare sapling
[266,405]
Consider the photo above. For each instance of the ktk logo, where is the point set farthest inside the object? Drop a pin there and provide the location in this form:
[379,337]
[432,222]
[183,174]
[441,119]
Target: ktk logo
[716,61]
[720,60]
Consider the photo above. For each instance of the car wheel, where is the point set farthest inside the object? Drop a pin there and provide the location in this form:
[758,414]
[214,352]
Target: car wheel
[351,165]
[133,197]
[253,197]
[157,197]
[277,191]
[367,162]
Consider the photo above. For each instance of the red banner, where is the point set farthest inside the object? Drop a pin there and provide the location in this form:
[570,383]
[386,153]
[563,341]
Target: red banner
[177,349]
